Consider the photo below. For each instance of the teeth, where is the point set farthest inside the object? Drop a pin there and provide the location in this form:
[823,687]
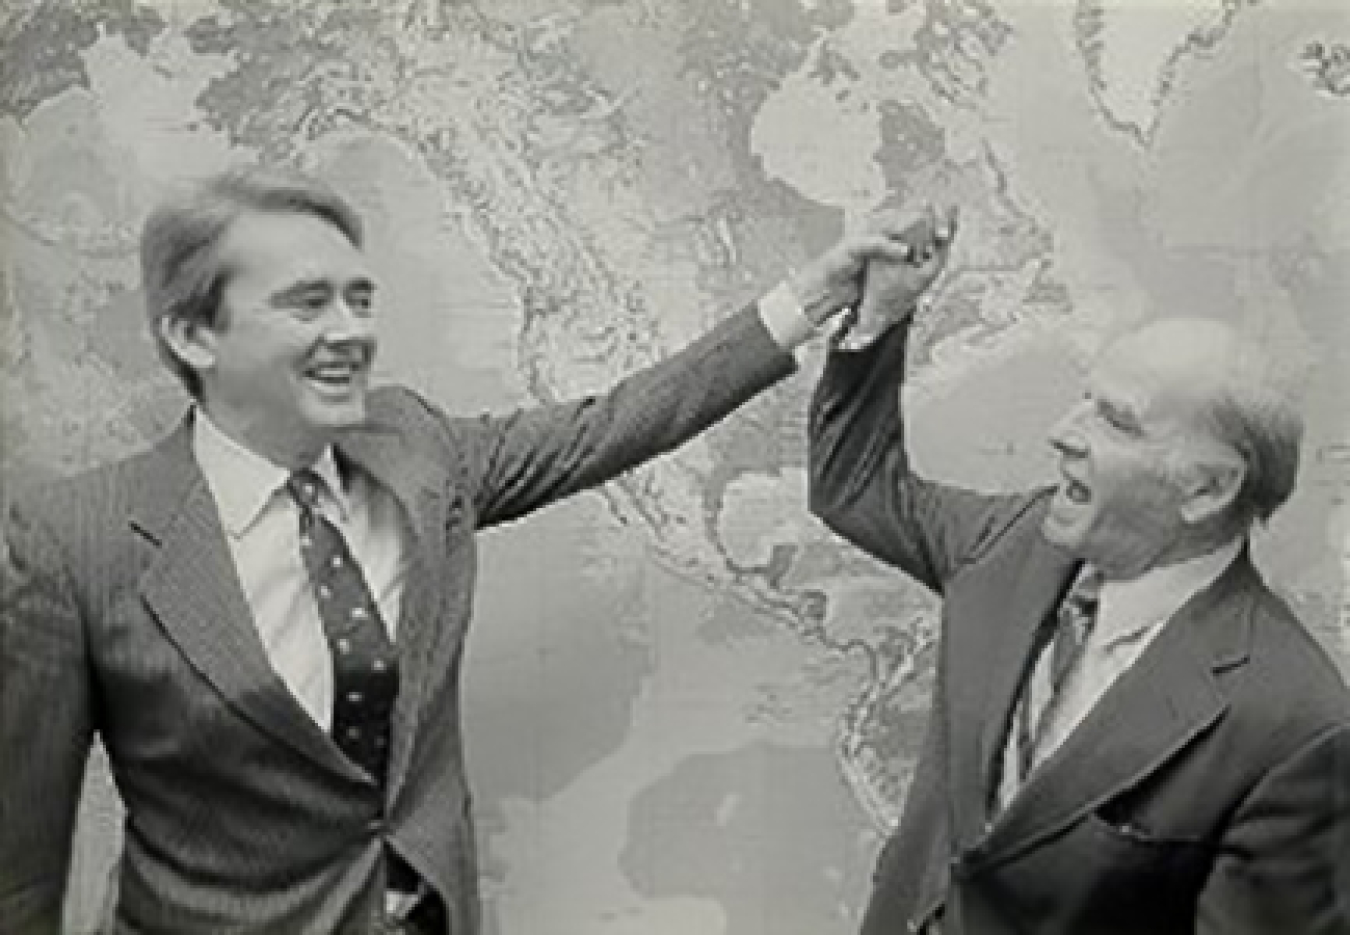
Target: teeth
[333,372]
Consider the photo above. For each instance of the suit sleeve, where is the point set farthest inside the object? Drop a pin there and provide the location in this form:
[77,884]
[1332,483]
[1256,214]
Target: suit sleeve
[1284,866]
[861,481]
[45,728]
[534,457]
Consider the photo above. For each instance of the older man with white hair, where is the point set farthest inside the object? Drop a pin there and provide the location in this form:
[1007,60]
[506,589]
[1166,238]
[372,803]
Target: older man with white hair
[1132,735]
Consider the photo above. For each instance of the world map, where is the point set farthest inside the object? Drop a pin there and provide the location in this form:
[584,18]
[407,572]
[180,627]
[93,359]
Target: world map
[690,708]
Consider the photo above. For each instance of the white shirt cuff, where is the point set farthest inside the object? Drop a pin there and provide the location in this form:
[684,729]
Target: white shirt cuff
[784,318]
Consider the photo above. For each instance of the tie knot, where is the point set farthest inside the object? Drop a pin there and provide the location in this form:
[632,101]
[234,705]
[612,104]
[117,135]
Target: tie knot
[305,487]
[1086,592]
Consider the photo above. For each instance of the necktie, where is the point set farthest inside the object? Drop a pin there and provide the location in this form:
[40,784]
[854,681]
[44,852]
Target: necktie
[365,664]
[1074,620]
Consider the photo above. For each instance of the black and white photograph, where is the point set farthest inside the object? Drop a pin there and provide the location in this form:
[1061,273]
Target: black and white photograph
[675,467]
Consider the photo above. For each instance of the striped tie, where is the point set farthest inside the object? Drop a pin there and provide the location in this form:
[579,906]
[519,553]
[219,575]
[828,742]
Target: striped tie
[1074,620]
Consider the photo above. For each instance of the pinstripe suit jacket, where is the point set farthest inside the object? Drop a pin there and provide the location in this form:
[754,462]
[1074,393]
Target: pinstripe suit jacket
[122,615]
[1207,793]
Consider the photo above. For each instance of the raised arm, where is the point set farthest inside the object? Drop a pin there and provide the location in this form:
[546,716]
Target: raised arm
[45,728]
[526,460]
[861,481]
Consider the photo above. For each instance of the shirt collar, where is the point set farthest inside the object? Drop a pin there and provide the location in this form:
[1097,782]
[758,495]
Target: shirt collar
[243,482]
[1130,607]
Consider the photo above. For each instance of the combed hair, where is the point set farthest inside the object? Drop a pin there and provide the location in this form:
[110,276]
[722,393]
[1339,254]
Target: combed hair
[1257,413]
[181,269]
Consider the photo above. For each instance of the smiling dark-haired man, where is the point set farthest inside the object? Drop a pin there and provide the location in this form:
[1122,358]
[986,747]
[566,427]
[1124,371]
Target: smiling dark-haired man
[263,616]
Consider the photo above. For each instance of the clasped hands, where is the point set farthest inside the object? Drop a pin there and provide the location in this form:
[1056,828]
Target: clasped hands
[878,273]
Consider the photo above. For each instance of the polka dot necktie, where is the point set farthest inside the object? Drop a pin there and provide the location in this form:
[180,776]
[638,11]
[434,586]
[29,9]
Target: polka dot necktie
[365,663]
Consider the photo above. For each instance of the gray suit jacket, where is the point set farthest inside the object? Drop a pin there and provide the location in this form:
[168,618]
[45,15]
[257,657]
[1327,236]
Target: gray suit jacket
[1207,792]
[122,615]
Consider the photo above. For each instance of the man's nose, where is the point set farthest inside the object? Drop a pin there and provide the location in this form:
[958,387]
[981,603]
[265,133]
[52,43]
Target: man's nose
[349,321]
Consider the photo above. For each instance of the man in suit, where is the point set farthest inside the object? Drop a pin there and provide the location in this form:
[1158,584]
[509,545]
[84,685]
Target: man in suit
[1131,734]
[263,616]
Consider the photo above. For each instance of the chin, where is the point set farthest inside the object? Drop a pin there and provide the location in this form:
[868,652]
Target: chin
[1061,535]
[335,418]
[352,417]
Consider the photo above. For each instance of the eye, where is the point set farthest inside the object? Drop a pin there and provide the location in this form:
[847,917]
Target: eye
[307,303]
[361,300]
[1117,418]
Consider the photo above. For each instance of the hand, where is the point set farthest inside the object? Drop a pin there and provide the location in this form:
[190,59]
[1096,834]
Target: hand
[833,281]
[891,290]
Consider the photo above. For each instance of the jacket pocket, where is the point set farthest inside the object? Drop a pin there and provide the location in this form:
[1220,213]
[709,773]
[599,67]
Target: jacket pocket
[1131,854]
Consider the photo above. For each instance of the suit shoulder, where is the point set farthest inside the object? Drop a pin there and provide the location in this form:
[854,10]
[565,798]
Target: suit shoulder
[393,401]
[424,430]
[423,422]
[92,488]
[407,412]
[1292,664]
[79,515]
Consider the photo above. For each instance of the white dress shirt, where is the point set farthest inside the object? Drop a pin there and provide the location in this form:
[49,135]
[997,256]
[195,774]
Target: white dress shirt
[261,523]
[1130,616]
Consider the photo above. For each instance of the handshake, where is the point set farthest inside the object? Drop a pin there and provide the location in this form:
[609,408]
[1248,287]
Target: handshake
[877,275]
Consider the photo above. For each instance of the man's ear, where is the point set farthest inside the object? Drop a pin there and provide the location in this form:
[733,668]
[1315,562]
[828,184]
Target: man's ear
[1213,489]
[192,342]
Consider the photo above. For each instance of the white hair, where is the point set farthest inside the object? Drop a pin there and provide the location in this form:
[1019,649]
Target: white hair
[1247,405]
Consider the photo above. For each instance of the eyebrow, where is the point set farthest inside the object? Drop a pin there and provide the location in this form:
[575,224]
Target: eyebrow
[1119,412]
[359,284]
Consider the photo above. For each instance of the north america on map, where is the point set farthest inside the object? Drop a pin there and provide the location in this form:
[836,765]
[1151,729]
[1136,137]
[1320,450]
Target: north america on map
[702,714]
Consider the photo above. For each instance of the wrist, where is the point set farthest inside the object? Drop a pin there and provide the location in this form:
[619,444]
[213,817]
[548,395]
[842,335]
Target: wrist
[813,298]
[820,312]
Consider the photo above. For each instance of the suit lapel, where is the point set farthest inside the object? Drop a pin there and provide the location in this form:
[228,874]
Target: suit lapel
[192,589]
[1167,700]
[1025,593]
[432,508]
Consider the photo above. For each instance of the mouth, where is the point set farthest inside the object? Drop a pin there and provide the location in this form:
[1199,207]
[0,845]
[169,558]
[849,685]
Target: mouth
[1075,491]
[1069,509]
[336,376]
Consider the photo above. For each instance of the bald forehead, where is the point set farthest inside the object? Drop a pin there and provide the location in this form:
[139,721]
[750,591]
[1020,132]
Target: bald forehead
[1191,344]
[1169,373]
[1190,357]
